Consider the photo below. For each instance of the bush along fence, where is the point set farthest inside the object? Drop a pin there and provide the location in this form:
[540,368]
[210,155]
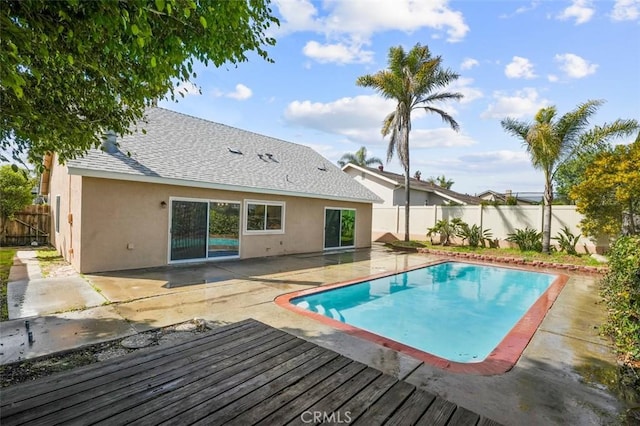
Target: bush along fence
[501,220]
[29,226]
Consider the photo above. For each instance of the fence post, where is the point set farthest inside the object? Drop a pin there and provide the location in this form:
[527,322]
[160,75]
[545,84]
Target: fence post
[481,224]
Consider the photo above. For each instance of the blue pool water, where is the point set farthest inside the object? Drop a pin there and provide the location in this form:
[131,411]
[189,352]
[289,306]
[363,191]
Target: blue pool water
[456,311]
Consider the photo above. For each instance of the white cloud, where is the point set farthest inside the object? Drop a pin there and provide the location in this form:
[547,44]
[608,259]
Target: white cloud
[338,53]
[519,67]
[552,78]
[469,63]
[241,93]
[187,88]
[463,85]
[523,103]
[580,10]
[521,9]
[626,10]
[348,24]
[359,119]
[574,66]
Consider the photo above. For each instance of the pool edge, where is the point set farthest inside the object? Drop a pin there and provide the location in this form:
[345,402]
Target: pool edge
[501,359]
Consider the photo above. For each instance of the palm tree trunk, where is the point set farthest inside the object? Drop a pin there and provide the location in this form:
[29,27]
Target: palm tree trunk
[407,192]
[546,223]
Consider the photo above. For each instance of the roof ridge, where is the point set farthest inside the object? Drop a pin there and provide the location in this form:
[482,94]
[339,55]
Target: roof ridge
[231,127]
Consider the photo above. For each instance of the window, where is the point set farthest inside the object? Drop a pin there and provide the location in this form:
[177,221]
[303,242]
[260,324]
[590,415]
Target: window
[57,213]
[264,217]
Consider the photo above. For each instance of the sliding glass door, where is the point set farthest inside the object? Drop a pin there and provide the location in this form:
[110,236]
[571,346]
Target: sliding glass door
[339,228]
[204,229]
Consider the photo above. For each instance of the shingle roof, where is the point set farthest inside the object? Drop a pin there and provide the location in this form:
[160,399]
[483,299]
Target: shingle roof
[182,149]
[427,186]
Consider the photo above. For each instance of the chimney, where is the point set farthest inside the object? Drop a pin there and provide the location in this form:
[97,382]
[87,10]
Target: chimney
[109,142]
[507,193]
[381,167]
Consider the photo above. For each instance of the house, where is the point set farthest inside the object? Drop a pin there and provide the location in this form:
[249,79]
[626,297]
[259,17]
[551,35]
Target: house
[187,189]
[508,197]
[390,188]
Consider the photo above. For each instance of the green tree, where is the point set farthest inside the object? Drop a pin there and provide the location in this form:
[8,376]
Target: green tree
[610,191]
[15,194]
[441,181]
[413,80]
[551,141]
[360,158]
[72,70]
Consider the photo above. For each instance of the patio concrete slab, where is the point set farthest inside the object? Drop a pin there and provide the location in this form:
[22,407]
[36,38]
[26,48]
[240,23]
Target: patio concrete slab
[55,333]
[50,295]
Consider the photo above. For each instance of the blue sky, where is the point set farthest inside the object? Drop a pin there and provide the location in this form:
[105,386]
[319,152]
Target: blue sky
[513,57]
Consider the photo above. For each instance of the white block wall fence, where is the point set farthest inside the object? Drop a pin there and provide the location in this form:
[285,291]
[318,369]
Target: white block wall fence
[388,222]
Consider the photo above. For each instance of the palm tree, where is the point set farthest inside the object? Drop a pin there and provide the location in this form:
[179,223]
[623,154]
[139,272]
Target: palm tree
[441,181]
[413,79]
[359,158]
[551,141]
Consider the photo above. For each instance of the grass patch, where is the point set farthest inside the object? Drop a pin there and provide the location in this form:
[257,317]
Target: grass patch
[49,259]
[6,260]
[556,257]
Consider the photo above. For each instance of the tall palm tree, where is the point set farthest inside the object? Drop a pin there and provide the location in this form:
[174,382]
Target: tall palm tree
[551,141]
[414,80]
[359,158]
[441,181]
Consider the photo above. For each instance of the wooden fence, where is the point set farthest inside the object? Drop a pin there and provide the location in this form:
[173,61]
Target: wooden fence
[31,224]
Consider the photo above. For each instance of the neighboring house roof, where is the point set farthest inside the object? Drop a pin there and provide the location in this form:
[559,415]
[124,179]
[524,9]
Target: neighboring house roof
[179,149]
[418,185]
[522,198]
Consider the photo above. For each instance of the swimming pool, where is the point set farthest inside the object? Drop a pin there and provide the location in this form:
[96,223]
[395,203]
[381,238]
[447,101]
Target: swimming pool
[450,313]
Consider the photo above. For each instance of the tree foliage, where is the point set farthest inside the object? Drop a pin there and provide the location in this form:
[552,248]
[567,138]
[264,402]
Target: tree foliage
[441,181]
[71,70]
[15,193]
[610,192]
[414,80]
[359,158]
[551,141]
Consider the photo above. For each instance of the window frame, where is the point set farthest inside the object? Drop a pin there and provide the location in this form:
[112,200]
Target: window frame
[266,204]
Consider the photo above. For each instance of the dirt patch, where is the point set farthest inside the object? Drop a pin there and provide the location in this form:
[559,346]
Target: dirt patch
[32,369]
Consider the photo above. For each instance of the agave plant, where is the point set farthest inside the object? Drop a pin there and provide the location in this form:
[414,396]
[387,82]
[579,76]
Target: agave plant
[527,239]
[567,241]
[474,235]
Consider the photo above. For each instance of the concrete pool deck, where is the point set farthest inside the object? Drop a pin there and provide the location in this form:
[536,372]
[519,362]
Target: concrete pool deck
[561,377]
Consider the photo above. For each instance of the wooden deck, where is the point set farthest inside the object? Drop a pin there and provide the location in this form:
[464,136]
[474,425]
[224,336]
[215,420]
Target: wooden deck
[241,374]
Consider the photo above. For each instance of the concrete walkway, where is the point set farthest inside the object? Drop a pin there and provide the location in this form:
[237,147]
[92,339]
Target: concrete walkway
[561,378]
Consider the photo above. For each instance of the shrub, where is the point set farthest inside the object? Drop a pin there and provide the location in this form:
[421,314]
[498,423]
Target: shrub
[567,241]
[446,229]
[527,239]
[620,289]
[474,235]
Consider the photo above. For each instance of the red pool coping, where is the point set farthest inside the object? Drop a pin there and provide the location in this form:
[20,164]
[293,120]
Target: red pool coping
[500,360]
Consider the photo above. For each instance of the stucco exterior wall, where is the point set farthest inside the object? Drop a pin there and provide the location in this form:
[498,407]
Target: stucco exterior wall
[125,227]
[382,189]
[68,216]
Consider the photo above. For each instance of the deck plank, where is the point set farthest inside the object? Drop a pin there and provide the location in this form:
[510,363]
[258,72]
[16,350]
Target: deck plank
[412,409]
[170,404]
[338,396]
[438,413]
[243,373]
[60,380]
[384,407]
[106,385]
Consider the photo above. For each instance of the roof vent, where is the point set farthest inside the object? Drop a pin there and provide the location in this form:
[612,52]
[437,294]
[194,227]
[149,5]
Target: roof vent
[381,167]
[269,156]
[323,168]
[234,151]
[109,144]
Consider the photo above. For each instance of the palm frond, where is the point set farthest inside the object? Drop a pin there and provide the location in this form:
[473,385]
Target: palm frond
[445,117]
